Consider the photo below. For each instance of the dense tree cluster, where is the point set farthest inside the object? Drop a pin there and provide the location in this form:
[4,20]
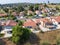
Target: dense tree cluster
[20,34]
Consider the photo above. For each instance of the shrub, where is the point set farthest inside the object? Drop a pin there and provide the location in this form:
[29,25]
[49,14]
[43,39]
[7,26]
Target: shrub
[1,35]
[46,43]
[41,31]
[58,42]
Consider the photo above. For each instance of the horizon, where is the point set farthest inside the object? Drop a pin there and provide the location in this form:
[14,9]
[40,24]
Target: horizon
[23,2]
[26,1]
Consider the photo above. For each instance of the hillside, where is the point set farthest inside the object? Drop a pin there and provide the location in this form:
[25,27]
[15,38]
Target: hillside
[38,39]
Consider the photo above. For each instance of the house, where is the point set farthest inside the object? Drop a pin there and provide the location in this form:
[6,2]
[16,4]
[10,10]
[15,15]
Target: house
[9,24]
[7,28]
[41,6]
[37,16]
[48,23]
[48,9]
[29,24]
[2,21]
[45,24]
[3,15]
[7,33]
[14,14]
[56,21]
[37,12]
[29,12]
[21,16]
[44,10]
[32,25]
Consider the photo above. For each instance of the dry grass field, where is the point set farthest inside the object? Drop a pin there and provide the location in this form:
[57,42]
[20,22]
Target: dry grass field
[50,37]
[38,38]
[53,6]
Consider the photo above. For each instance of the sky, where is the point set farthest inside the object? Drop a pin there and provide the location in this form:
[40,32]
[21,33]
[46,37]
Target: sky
[31,1]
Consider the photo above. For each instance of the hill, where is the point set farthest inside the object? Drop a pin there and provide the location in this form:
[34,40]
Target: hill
[38,38]
[15,4]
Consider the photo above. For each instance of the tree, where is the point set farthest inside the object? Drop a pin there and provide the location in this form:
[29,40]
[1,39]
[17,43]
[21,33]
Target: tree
[11,17]
[46,43]
[20,34]
[16,33]
[31,8]
[20,23]
[25,35]
[20,8]
[6,10]
[57,8]
[36,7]
[14,8]
[48,2]
[58,42]
[45,5]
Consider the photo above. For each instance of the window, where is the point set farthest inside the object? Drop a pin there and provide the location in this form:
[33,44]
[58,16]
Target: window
[58,22]
[38,24]
[49,23]
[9,32]
[8,27]
[29,27]
[52,28]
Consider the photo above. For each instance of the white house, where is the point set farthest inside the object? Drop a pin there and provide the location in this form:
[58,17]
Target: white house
[7,32]
[45,24]
[56,21]
[7,28]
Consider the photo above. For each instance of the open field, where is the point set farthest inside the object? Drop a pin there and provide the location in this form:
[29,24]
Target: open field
[50,37]
[53,6]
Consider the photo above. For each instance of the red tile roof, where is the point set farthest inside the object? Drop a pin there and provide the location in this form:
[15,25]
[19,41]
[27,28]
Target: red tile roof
[37,20]
[45,20]
[57,18]
[42,19]
[29,23]
[1,15]
[10,23]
